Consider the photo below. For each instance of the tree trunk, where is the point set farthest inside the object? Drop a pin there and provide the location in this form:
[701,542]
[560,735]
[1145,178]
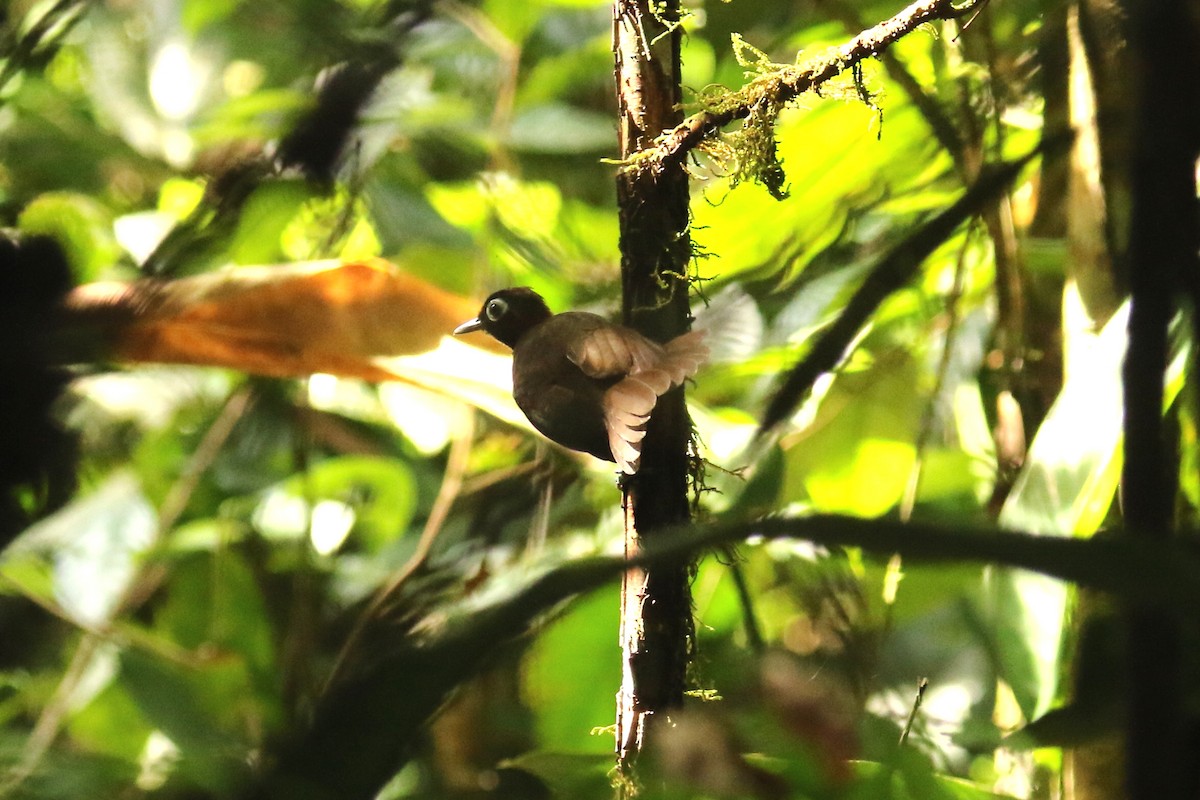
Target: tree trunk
[1163,238]
[656,622]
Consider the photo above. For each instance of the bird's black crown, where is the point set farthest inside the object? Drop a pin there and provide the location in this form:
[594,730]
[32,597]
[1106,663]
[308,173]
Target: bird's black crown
[507,314]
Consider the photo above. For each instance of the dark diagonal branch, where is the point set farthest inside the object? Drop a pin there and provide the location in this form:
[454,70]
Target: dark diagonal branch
[34,47]
[895,270]
[789,82]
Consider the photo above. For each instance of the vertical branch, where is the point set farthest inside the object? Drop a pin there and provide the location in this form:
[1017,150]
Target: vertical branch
[1163,238]
[656,622]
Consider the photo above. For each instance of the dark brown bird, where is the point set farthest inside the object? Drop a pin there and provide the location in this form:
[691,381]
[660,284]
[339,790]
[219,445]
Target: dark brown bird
[584,382]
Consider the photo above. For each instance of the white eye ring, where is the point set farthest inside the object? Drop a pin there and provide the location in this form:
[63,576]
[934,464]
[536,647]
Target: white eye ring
[496,308]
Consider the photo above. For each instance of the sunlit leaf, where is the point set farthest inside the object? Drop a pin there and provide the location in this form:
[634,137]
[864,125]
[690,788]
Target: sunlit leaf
[853,168]
[263,220]
[913,778]
[406,219]
[379,493]
[197,14]
[526,208]
[94,544]
[858,454]
[1065,488]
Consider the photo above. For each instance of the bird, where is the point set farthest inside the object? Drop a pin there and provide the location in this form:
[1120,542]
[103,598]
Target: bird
[585,382]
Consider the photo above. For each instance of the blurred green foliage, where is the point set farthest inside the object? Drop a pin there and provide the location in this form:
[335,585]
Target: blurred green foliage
[175,622]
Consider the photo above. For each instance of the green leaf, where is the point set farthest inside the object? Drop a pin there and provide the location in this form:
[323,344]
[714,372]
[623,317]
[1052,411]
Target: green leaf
[857,455]
[368,721]
[853,170]
[562,129]
[382,491]
[514,18]
[570,675]
[199,14]
[111,724]
[1065,489]
[911,776]
[264,218]
[174,702]
[94,544]
[81,226]
[925,588]
[214,601]
[63,773]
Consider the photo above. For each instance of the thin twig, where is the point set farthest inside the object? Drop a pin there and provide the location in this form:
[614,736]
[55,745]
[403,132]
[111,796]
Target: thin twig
[978,10]
[119,634]
[509,54]
[180,494]
[452,479]
[754,637]
[922,684]
[49,722]
[479,483]
[539,526]
[789,83]
[944,128]
[925,430]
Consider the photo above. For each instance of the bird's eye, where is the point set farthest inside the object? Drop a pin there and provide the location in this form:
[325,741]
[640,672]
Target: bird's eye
[495,309]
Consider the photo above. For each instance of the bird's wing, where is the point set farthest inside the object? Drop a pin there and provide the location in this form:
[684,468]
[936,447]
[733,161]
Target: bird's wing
[610,351]
[649,369]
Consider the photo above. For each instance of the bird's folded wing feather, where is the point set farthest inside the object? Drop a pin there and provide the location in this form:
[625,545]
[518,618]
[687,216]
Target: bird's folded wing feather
[610,351]
[650,370]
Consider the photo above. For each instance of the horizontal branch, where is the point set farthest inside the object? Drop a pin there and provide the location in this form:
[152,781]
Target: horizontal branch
[790,82]
[1152,572]
[366,726]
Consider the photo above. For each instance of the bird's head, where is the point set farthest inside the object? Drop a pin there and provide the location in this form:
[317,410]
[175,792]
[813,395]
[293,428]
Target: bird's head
[507,314]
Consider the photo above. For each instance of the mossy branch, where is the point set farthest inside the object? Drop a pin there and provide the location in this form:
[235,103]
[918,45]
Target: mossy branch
[785,82]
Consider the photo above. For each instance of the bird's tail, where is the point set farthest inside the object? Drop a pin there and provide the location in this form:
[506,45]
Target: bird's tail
[733,324]
[627,405]
[684,355]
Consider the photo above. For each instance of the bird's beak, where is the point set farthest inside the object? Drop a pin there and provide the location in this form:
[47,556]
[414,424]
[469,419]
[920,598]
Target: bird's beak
[468,326]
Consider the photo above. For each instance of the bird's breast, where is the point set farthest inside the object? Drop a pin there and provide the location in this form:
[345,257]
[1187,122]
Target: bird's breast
[559,400]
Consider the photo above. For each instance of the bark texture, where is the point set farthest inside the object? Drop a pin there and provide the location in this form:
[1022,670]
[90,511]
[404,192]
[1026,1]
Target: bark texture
[1163,239]
[656,621]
